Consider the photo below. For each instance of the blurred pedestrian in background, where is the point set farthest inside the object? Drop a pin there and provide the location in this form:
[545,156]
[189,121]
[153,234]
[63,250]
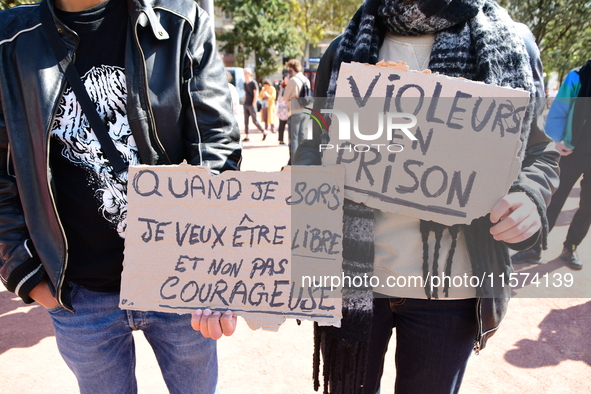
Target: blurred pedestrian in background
[251,95]
[267,96]
[282,111]
[233,94]
[297,118]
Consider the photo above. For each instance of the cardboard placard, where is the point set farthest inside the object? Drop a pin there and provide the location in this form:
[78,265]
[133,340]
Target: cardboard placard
[463,160]
[230,241]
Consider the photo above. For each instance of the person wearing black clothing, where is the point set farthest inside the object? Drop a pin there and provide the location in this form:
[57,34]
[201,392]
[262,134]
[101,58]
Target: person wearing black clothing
[568,125]
[251,95]
[157,95]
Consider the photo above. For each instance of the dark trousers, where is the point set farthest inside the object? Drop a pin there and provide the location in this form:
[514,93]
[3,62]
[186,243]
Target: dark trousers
[434,339]
[281,129]
[249,111]
[571,168]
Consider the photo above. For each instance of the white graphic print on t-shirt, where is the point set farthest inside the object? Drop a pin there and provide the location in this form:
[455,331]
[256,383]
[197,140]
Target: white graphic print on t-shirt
[107,89]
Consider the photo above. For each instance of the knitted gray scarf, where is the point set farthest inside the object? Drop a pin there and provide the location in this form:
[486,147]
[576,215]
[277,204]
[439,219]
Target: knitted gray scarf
[475,39]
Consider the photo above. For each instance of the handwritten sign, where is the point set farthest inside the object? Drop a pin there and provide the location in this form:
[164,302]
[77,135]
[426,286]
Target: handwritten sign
[238,241]
[451,166]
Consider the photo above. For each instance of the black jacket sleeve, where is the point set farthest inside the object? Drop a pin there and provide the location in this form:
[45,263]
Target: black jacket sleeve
[20,267]
[539,170]
[212,137]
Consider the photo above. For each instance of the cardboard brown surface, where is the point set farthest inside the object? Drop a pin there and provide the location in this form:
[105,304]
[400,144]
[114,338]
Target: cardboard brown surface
[462,161]
[197,240]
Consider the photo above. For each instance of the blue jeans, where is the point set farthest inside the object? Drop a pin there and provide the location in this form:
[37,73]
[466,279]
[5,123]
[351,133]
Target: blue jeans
[297,125]
[434,340]
[97,344]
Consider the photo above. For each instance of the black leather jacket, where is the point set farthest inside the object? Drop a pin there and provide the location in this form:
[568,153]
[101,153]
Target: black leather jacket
[178,107]
[539,171]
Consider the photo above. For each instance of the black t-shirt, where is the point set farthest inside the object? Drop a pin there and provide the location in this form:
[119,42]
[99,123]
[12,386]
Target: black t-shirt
[249,89]
[91,201]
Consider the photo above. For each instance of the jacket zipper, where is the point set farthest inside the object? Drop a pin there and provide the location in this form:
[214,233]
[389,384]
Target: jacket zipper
[479,334]
[147,96]
[65,265]
[8,154]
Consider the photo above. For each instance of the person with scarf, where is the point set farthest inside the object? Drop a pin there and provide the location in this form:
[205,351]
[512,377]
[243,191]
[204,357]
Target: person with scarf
[472,39]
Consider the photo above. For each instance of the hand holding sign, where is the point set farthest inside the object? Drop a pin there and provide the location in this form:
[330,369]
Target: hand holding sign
[517,218]
[213,325]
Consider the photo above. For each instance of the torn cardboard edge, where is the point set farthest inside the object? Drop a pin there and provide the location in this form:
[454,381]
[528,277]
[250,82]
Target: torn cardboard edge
[255,319]
[403,66]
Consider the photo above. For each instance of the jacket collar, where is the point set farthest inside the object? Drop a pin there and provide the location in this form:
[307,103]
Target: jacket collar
[140,11]
[68,35]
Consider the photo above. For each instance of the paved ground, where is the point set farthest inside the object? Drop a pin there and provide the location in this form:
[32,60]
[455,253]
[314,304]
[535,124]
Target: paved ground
[543,346]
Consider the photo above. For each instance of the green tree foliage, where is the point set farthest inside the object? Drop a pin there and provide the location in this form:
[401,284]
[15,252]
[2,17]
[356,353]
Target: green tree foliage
[562,29]
[265,28]
[5,4]
[319,19]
